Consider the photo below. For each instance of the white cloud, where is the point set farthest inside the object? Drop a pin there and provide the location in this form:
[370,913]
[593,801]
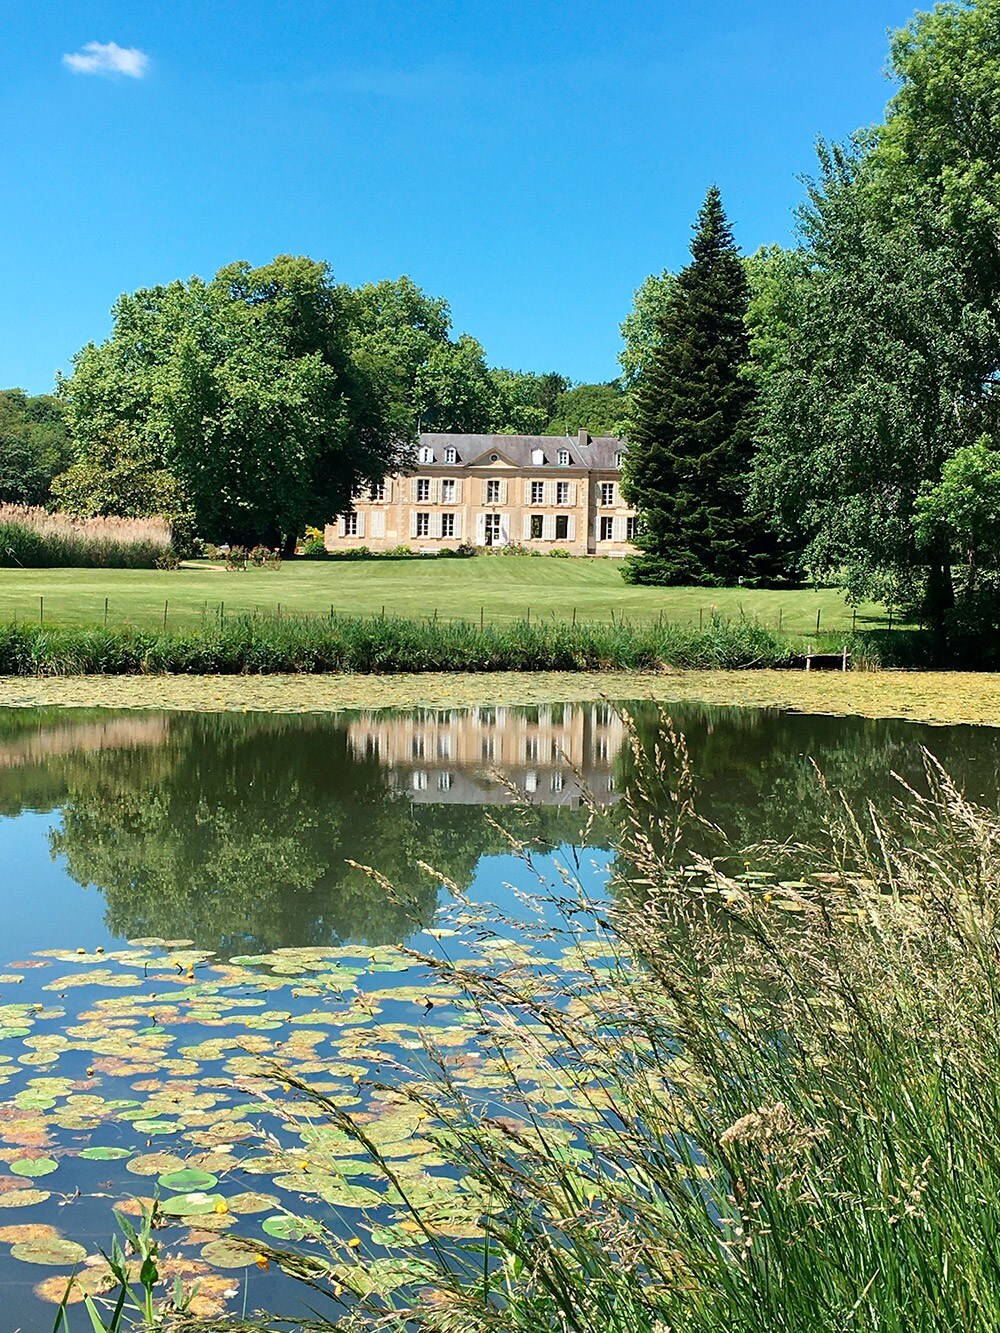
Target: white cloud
[108,58]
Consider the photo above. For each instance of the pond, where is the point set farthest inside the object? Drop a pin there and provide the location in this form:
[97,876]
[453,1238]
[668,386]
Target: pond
[186,897]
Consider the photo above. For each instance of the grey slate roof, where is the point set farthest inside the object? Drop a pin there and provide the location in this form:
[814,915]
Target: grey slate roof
[596,452]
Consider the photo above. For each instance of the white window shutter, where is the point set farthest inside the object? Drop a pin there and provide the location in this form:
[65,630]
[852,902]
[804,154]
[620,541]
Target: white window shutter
[480,529]
[572,493]
[413,488]
[436,490]
[458,525]
[617,529]
[378,522]
[413,523]
[527,528]
[527,492]
[571,528]
[549,527]
[549,491]
[361,525]
[388,488]
[503,493]
[486,490]
[458,491]
[504,527]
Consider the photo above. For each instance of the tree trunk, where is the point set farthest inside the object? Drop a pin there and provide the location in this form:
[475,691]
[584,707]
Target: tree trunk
[288,547]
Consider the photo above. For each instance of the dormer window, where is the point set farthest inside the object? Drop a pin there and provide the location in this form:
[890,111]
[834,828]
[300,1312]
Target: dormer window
[564,458]
[618,459]
[537,457]
[451,454]
[425,455]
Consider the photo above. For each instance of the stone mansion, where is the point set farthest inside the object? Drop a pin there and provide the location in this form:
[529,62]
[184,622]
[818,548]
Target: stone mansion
[544,492]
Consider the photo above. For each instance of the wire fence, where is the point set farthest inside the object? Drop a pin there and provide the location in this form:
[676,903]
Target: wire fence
[121,613]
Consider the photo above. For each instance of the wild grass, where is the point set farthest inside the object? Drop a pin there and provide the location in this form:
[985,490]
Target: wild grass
[256,645]
[768,1103]
[36,538]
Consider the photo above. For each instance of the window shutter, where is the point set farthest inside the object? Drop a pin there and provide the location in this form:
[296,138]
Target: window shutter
[413,489]
[549,491]
[504,525]
[571,529]
[436,490]
[549,527]
[480,529]
[458,525]
[503,494]
[527,492]
[361,525]
[388,488]
[486,490]
[618,529]
[458,491]
[527,528]
[378,523]
[413,523]
[572,493]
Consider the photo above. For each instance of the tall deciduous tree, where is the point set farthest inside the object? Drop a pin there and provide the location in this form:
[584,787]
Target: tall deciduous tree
[876,347]
[690,438]
[34,446]
[244,391]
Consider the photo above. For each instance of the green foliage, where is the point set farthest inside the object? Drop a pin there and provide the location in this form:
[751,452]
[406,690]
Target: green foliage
[382,645]
[964,509]
[876,344]
[34,446]
[526,403]
[597,408]
[640,331]
[690,447]
[244,391]
[35,539]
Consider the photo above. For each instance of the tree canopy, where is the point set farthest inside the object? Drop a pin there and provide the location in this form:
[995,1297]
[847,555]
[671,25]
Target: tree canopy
[34,446]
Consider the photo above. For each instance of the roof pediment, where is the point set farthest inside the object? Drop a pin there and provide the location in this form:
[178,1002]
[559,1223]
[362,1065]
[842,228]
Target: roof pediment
[492,457]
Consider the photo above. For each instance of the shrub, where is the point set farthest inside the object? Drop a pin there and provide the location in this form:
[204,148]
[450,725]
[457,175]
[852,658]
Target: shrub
[237,557]
[35,538]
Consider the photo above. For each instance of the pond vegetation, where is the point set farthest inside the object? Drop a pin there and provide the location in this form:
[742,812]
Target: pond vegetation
[507,1028]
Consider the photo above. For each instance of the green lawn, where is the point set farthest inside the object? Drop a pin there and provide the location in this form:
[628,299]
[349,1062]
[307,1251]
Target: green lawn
[496,587]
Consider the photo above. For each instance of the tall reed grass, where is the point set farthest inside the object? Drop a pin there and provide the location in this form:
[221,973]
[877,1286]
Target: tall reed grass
[375,645]
[35,538]
[770,1098]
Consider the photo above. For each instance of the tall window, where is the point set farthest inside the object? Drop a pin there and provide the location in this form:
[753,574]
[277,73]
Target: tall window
[607,528]
[564,458]
[350,525]
[493,492]
[618,459]
[631,528]
[536,527]
[378,491]
[492,529]
[425,455]
[562,527]
[448,491]
[423,525]
[447,525]
[562,492]
[537,492]
[445,781]
[419,746]
[607,493]
[450,456]
[423,488]
[420,780]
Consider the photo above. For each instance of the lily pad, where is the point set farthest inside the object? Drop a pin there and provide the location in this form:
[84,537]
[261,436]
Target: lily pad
[188,1179]
[53,1250]
[34,1166]
[104,1154]
[283,1226]
[190,1205]
[225,1253]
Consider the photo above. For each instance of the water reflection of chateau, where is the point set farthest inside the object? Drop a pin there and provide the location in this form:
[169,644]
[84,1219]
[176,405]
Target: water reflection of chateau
[492,756]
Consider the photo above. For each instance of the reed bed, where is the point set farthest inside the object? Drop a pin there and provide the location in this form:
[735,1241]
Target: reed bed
[254,645]
[769,1099]
[34,538]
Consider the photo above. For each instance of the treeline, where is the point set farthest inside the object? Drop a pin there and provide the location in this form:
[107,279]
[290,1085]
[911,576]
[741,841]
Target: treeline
[246,407]
[831,409]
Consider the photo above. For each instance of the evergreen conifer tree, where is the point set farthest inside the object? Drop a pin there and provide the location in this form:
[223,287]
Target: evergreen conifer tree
[690,441]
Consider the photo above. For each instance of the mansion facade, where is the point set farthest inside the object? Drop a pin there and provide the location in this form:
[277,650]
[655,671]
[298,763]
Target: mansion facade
[543,492]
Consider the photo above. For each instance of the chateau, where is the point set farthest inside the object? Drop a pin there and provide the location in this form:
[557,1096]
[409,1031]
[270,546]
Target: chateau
[543,492]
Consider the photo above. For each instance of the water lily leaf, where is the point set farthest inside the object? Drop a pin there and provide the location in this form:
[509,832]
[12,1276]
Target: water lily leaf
[27,1231]
[53,1250]
[284,1226]
[34,1166]
[156,1126]
[190,1205]
[225,1253]
[188,1179]
[104,1154]
[23,1198]
[251,1202]
[154,1163]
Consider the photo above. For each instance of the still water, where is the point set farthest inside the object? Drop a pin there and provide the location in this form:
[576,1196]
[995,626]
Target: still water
[230,850]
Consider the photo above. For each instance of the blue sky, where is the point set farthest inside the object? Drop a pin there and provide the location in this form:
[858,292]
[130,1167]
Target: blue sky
[529,160]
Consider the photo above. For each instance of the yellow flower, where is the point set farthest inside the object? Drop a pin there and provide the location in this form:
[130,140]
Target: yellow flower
[221,1206]
[353,1243]
[263,1262]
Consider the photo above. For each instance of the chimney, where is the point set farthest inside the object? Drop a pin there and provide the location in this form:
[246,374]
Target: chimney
[583,439]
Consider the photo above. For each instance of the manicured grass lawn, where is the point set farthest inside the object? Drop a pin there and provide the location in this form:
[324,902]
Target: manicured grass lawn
[496,587]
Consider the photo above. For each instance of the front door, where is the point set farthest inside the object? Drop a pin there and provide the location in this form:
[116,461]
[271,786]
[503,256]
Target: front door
[492,530]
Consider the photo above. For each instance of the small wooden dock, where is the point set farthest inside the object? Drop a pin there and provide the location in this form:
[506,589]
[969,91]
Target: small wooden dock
[810,661]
